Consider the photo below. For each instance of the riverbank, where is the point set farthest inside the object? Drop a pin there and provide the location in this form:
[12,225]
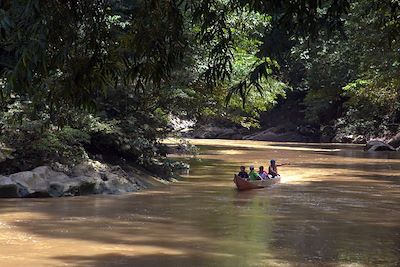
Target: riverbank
[291,133]
[94,177]
[87,178]
[283,133]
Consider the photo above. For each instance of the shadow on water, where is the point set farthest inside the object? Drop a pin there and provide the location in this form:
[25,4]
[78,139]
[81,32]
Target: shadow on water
[203,221]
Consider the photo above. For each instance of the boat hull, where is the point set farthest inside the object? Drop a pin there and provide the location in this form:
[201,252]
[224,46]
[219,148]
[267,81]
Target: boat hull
[243,184]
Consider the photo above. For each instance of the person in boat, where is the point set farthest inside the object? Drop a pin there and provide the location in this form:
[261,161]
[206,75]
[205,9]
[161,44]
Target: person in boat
[243,174]
[273,168]
[253,174]
[263,174]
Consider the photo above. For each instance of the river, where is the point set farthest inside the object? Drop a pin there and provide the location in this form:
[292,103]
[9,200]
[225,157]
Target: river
[336,206]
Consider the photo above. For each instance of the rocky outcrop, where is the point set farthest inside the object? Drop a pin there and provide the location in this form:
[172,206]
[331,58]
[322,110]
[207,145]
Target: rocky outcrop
[216,132]
[378,145]
[33,183]
[284,133]
[91,177]
[269,135]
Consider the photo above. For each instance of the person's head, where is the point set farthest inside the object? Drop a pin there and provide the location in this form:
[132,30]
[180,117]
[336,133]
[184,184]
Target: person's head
[261,168]
[273,162]
[242,168]
[251,167]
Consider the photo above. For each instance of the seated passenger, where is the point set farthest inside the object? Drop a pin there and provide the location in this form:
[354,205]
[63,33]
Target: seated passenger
[243,174]
[253,174]
[263,174]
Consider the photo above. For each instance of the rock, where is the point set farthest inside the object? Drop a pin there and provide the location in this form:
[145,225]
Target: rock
[377,145]
[274,135]
[35,184]
[87,188]
[58,167]
[359,139]
[82,185]
[72,188]
[267,135]
[4,180]
[49,174]
[117,184]
[58,177]
[90,168]
[225,133]
[347,139]
[43,171]
[57,182]
[91,177]
[11,189]
[212,131]
[89,184]
[83,169]
[307,130]
[237,136]
[395,141]
[343,138]
[56,189]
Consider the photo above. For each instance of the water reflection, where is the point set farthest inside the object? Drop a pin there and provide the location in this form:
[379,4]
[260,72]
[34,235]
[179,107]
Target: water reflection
[338,206]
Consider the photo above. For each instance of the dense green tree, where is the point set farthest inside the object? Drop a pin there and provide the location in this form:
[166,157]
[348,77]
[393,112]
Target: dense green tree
[115,70]
[354,81]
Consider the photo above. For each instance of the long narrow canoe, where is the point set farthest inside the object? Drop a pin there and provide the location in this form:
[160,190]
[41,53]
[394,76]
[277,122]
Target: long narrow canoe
[243,184]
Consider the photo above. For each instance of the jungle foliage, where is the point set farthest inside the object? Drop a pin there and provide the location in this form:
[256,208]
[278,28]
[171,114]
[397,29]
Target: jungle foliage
[352,81]
[80,78]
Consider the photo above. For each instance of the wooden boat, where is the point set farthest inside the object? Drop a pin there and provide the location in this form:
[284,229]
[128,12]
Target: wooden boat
[243,184]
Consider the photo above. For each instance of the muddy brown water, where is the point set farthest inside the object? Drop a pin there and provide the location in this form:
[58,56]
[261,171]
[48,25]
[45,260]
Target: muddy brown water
[336,206]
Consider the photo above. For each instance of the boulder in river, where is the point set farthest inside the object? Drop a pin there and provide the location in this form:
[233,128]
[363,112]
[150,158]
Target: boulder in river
[378,145]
